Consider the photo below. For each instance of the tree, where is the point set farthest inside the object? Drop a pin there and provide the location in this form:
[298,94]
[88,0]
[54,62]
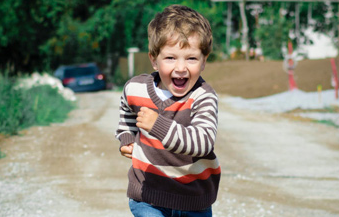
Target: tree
[274,32]
[25,25]
[41,35]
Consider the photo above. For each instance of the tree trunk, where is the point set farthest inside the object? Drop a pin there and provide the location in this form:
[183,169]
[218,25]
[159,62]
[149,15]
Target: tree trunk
[229,29]
[244,27]
[297,24]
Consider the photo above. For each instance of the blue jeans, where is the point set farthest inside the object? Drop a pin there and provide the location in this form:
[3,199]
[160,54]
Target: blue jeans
[141,209]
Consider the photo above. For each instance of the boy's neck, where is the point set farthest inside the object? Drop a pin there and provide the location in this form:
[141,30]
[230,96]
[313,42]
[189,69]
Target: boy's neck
[161,86]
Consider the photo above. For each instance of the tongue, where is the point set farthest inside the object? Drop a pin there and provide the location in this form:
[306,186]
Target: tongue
[179,82]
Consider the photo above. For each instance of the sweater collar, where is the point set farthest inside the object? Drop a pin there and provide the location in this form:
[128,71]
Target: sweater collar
[154,77]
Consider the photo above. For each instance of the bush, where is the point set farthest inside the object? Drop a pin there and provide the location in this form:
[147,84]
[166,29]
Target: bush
[2,155]
[119,78]
[22,108]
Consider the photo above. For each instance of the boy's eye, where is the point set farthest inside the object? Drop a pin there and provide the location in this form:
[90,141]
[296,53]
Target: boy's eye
[192,58]
[169,58]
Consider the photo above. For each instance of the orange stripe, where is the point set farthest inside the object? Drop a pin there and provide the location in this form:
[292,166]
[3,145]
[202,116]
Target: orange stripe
[149,168]
[151,142]
[203,176]
[179,106]
[141,101]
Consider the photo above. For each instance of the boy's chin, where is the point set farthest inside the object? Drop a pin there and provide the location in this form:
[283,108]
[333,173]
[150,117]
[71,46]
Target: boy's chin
[179,93]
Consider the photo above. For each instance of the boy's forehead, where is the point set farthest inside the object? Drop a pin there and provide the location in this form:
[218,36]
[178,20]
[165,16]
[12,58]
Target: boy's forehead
[184,41]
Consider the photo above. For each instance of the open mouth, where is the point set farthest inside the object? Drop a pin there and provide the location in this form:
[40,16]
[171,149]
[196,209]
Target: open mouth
[179,82]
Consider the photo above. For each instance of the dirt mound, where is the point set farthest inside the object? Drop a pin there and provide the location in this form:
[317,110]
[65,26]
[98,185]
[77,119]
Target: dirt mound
[256,79]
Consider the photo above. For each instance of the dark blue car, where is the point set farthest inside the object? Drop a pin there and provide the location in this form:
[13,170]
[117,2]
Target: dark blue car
[82,77]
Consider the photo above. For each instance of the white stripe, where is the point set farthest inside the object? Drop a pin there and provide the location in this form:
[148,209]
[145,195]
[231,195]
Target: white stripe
[189,143]
[206,109]
[211,101]
[205,125]
[146,134]
[195,168]
[168,135]
[139,154]
[198,92]
[121,127]
[138,89]
[173,142]
[195,143]
[202,141]
[129,113]
[181,137]
[176,172]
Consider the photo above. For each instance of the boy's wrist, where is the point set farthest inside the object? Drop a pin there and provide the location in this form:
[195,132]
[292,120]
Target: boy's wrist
[161,127]
[126,139]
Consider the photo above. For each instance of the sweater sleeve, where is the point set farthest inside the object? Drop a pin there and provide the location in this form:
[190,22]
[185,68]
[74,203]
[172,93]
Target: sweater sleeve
[198,138]
[127,128]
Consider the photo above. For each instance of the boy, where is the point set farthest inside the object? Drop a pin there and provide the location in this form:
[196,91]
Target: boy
[168,121]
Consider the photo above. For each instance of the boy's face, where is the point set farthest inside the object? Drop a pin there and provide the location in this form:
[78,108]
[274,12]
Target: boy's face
[179,68]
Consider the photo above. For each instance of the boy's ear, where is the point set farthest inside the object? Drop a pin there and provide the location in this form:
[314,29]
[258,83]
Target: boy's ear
[153,61]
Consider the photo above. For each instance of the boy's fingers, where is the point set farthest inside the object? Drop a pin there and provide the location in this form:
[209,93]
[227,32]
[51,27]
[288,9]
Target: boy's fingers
[127,155]
[127,149]
[143,109]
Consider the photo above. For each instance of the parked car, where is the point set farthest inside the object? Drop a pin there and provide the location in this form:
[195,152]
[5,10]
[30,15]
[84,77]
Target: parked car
[82,77]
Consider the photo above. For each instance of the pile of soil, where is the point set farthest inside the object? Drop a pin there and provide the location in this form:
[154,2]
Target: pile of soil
[252,79]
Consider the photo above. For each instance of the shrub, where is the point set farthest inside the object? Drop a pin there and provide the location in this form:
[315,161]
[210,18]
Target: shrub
[2,155]
[119,78]
[22,108]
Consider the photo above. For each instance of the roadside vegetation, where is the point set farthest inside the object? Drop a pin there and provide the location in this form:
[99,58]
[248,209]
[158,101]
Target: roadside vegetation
[21,108]
[54,33]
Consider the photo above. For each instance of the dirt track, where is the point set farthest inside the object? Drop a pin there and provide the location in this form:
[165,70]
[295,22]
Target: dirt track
[271,166]
[256,79]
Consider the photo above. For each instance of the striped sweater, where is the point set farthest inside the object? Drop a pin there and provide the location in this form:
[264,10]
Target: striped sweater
[173,166]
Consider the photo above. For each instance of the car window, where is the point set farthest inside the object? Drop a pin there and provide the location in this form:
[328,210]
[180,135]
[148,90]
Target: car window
[79,71]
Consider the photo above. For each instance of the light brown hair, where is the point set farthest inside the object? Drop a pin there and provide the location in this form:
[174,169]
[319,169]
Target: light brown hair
[176,24]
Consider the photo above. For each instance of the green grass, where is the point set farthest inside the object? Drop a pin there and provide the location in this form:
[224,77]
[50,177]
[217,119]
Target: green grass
[22,108]
[2,155]
[327,122]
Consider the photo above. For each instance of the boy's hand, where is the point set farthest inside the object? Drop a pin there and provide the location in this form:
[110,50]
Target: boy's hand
[146,118]
[127,150]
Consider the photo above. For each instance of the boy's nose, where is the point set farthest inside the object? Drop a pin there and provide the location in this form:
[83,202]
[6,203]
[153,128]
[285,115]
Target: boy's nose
[181,66]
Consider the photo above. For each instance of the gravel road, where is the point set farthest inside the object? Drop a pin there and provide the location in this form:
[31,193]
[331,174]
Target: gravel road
[272,165]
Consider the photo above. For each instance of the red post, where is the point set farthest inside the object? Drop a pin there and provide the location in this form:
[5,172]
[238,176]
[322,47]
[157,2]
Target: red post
[291,80]
[335,77]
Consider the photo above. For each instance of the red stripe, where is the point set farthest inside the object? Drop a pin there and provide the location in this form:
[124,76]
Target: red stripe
[141,101]
[149,168]
[179,106]
[203,176]
[151,142]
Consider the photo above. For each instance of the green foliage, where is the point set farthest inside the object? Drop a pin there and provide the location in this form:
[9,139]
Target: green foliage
[21,108]
[119,79]
[273,34]
[13,112]
[48,105]
[25,25]
[41,35]
[2,155]
[327,122]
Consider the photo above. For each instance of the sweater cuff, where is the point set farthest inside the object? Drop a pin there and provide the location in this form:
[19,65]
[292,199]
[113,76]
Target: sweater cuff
[161,127]
[126,139]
